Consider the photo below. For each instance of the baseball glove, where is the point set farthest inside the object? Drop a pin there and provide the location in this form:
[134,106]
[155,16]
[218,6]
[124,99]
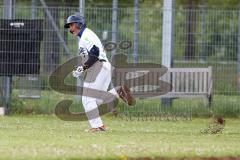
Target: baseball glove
[125,94]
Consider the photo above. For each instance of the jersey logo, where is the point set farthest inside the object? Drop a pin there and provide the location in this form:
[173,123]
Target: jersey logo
[81,50]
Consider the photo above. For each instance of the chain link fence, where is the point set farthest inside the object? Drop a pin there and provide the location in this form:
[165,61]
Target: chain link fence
[202,37]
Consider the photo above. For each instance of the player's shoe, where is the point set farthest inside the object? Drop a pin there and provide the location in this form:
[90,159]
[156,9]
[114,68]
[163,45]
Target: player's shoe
[126,95]
[99,129]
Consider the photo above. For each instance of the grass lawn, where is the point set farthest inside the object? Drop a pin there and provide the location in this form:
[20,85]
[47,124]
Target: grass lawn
[46,137]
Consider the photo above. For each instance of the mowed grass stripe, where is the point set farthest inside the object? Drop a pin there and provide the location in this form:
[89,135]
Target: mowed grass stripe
[46,137]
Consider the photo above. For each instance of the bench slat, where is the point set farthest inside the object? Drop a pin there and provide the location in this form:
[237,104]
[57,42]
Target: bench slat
[182,87]
[187,82]
[173,82]
[205,82]
[191,82]
[200,82]
[195,82]
[178,82]
[188,70]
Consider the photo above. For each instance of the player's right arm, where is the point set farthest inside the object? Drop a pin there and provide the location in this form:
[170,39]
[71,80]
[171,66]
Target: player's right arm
[93,55]
[92,50]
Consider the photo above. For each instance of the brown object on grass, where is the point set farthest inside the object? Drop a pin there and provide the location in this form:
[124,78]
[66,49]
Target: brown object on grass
[126,95]
[220,120]
[216,127]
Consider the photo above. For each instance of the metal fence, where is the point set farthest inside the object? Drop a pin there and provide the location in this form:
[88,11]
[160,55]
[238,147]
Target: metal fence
[202,37]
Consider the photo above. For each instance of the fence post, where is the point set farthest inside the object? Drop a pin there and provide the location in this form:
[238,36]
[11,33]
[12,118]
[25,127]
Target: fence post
[81,7]
[33,9]
[136,30]
[8,13]
[80,80]
[167,40]
[114,23]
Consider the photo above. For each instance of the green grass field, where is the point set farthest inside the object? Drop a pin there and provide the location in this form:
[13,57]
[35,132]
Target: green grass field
[46,137]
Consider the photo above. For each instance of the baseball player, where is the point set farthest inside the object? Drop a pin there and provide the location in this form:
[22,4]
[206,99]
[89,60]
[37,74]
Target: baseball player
[91,47]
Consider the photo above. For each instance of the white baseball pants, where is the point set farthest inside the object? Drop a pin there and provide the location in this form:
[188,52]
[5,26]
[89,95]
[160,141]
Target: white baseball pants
[101,82]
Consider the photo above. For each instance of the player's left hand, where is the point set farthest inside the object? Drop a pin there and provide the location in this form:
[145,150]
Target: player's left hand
[78,72]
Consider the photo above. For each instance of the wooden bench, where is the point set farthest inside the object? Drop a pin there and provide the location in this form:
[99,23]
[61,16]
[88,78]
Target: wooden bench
[183,82]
